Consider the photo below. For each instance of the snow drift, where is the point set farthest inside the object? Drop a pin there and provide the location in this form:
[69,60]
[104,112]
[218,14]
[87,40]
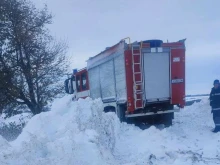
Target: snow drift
[79,133]
[11,127]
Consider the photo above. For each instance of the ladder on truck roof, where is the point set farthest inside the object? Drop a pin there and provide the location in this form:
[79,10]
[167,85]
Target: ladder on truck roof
[137,76]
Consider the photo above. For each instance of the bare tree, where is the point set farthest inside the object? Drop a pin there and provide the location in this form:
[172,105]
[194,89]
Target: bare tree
[32,63]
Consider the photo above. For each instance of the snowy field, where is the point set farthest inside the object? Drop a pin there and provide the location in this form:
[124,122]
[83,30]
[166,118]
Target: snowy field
[196,97]
[79,133]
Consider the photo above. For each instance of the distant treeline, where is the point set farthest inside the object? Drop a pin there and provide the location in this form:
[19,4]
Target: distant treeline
[197,95]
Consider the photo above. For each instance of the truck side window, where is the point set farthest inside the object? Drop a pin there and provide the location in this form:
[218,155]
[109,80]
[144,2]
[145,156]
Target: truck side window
[78,83]
[84,81]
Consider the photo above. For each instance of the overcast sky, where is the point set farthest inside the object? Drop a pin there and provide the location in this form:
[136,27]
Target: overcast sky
[91,25]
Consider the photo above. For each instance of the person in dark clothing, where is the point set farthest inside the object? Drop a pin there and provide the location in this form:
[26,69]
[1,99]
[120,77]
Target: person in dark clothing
[215,104]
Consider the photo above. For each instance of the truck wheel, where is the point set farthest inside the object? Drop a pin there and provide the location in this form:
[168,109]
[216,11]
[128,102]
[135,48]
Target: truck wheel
[109,109]
[168,119]
[121,112]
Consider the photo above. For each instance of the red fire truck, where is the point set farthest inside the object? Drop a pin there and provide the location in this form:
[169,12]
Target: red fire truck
[139,81]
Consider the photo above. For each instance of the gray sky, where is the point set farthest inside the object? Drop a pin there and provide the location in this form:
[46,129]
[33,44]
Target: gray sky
[91,25]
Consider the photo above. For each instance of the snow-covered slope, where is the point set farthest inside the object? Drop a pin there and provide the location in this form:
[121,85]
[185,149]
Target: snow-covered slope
[79,133]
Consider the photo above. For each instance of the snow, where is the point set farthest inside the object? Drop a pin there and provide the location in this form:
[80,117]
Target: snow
[196,98]
[16,119]
[80,133]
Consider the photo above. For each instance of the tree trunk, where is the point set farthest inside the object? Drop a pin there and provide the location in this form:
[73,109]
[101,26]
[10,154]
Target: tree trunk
[35,109]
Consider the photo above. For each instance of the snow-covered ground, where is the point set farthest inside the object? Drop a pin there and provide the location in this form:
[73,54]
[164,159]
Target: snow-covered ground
[196,98]
[79,133]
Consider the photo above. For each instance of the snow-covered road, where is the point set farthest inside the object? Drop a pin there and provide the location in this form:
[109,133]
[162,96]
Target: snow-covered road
[79,133]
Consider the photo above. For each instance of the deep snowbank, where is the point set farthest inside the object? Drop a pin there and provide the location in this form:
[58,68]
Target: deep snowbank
[11,127]
[80,133]
[16,119]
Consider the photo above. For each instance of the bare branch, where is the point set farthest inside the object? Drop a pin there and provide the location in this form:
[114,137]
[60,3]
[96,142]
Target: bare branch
[31,62]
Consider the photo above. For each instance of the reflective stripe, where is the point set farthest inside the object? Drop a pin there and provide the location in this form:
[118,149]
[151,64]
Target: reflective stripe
[215,94]
[217,124]
[215,109]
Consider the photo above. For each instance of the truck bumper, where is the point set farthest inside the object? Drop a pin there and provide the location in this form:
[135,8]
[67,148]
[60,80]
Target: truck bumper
[152,113]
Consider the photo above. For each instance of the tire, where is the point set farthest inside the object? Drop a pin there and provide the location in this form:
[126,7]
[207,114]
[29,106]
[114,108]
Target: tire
[167,119]
[109,109]
[121,112]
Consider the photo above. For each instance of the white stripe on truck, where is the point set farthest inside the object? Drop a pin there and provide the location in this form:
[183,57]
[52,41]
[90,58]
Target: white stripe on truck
[152,113]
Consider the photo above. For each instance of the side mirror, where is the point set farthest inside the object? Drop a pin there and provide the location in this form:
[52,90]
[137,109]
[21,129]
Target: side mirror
[66,82]
[69,86]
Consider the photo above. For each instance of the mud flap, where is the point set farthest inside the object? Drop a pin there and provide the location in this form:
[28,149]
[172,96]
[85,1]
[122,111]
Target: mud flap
[121,112]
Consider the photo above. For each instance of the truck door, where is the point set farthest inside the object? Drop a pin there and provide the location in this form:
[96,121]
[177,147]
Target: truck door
[156,67]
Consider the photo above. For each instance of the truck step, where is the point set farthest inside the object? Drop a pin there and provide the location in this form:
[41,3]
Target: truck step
[139,83]
[139,91]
